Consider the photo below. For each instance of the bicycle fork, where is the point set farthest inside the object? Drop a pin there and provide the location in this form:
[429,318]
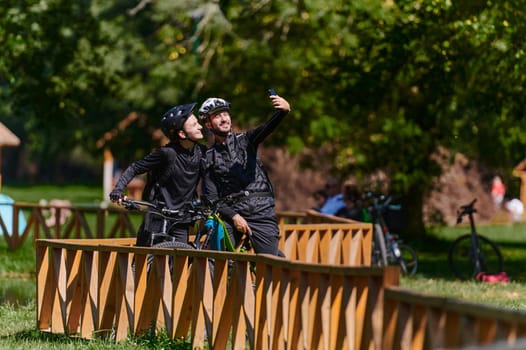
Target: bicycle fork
[388,248]
[397,253]
[476,255]
[380,249]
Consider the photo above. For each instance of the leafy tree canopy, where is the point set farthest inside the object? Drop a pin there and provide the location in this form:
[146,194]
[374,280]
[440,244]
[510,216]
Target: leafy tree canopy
[378,84]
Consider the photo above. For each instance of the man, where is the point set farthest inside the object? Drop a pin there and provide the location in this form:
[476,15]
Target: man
[334,200]
[174,170]
[233,166]
[352,198]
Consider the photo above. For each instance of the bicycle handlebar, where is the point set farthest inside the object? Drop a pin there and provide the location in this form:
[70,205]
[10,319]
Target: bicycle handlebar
[195,210]
[137,205]
[215,204]
[380,200]
[466,209]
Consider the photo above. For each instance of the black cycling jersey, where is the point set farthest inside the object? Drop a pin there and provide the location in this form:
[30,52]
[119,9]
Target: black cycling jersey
[234,166]
[174,170]
[174,173]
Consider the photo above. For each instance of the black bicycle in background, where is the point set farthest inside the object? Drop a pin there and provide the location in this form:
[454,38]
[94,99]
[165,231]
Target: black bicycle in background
[388,248]
[471,254]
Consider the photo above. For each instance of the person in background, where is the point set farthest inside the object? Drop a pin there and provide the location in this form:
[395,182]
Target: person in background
[174,172]
[233,166]
[320,196]
[516,208]
[352,198]
[498,190]
[334,200]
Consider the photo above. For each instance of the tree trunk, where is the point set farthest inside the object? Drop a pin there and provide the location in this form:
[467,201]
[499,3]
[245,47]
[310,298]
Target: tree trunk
[412,205]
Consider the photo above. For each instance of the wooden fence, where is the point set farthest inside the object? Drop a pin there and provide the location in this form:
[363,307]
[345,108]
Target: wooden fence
[329,243]
[324,296]
[102,222]
[81,222]
[102,288]
[417,321]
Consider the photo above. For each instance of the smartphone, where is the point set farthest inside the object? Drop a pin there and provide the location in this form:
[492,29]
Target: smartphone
[272,92]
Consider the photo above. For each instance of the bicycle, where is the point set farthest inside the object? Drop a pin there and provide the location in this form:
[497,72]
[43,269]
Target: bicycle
[388,248]
[471,254]
[209,228]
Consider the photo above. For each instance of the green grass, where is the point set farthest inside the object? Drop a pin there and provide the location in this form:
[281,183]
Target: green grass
[18,332]
[18,263]
[434,276]
[77,194]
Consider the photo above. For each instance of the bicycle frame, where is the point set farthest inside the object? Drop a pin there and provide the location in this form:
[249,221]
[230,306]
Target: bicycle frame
[472,254]
[204,213]
[475,253]
[386,245]
[382,235]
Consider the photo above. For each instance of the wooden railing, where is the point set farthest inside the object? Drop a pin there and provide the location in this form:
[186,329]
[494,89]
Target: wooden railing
[82,222]
[103,288]
[329,243]
[416,321]
[324,295]
[90,222]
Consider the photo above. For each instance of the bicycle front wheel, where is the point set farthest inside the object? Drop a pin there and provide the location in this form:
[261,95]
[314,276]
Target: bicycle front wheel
[466,262]
[168,245]
[408,260]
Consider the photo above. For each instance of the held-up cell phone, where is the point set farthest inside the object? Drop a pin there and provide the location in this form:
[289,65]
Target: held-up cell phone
[272,92]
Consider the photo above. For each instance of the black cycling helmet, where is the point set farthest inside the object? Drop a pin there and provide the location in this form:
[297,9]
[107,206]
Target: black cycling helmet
[213,105]
[174,119]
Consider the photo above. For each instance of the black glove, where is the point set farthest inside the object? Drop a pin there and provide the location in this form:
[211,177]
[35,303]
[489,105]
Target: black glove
[115,195]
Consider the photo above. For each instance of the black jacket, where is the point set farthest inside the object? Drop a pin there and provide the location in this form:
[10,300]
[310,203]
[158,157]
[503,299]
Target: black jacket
[234,166]
[174,173]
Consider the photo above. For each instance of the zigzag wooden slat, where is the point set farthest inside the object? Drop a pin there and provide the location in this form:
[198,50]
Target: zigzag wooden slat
[77,226]
[117,298]
[426,322]
[327,243]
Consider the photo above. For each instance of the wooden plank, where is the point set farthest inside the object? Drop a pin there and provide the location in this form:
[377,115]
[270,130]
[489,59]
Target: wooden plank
[89,312]
[45,284]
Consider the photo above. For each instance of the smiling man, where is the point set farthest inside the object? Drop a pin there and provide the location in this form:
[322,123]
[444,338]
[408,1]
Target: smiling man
[233,165]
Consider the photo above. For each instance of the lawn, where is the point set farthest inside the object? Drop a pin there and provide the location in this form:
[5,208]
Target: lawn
[434,276]
[77,194]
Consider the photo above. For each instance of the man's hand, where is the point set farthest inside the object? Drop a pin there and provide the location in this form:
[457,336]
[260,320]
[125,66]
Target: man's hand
[241,224]
[117,196]
[280,103]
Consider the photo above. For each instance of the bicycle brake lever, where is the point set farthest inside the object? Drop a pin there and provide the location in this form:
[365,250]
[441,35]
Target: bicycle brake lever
[129,205]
